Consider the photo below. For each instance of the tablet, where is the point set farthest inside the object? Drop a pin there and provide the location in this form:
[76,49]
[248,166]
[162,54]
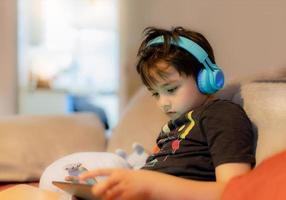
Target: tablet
[80,190]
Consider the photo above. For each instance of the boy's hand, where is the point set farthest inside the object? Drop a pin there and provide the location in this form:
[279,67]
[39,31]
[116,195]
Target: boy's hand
[121,184]
[74,179]
[71,178]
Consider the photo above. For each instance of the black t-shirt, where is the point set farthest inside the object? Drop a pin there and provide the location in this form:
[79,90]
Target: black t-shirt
[200,140]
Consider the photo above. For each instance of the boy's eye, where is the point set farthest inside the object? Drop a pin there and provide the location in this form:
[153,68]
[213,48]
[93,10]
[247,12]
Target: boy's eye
[172,90]
[155,94]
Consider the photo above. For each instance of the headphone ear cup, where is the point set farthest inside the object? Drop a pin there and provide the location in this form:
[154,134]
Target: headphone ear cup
[206,81]
[218,79]
[202,81]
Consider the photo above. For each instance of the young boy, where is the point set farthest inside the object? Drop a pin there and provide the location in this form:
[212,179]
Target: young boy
[206,142]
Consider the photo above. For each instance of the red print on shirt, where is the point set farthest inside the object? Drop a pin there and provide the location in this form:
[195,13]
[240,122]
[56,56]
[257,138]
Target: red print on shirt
[176,145]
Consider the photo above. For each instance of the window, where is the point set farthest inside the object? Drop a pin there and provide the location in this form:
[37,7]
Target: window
[70,46]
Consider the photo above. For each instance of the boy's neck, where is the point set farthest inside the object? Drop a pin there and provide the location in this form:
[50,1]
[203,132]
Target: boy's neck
[208,99]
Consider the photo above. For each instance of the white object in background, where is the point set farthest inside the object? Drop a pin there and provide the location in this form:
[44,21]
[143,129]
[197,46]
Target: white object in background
[41,102]
[90,160]
[137,158]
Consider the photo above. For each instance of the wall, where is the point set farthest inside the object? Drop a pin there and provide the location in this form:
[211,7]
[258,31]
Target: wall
[248,35]
[8,57]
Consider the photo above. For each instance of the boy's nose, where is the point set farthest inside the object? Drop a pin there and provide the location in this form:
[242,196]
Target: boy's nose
[166,108]
[165,104]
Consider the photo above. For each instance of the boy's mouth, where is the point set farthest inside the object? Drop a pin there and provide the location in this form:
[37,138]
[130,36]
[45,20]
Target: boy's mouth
[171,113]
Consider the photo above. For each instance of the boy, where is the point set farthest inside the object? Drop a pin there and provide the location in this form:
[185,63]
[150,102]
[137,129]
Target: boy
[206,142]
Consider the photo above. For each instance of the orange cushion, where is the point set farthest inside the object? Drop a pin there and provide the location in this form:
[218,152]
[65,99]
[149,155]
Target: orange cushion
[266,181]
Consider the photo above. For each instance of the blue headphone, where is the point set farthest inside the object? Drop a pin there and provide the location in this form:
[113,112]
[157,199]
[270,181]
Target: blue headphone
[210,79]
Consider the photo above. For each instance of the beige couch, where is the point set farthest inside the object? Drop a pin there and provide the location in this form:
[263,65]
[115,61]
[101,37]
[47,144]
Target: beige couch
[30,143]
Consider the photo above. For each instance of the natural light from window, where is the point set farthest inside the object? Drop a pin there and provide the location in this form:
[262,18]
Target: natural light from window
[69,47]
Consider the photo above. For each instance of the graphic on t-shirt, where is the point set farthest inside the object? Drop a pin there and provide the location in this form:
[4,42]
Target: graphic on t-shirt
[185,131]
[179,134]
[155,149]
[175,145]
[181,128]
[189,127]
[151,163]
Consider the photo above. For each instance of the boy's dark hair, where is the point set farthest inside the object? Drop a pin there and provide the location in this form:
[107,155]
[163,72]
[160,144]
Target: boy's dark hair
[184,62]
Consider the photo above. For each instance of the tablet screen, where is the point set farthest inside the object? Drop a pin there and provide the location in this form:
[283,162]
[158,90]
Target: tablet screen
[77,189]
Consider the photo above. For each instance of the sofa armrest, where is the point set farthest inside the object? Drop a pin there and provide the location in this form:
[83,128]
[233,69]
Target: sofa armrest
[30,143]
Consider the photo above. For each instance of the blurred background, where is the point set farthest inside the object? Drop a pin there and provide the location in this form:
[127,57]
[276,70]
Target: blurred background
[68,57]
[65,56]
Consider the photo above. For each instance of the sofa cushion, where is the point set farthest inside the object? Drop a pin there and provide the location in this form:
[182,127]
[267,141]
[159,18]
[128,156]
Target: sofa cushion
[266,181]
[264,102]
[141,122]
[30,143]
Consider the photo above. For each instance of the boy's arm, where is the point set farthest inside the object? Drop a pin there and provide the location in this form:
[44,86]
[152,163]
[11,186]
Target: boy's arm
[144,184]
[225,172]
[192,190]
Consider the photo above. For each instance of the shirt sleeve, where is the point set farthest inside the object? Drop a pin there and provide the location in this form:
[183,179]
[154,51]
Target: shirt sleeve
[229,134]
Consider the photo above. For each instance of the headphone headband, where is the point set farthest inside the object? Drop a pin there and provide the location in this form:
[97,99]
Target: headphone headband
[211,78]
[185,43]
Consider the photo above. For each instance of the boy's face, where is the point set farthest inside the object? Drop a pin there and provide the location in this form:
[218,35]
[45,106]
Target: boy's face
[175,94]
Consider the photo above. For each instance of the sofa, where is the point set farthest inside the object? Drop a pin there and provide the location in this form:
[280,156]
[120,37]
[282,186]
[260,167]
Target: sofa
[30,143]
